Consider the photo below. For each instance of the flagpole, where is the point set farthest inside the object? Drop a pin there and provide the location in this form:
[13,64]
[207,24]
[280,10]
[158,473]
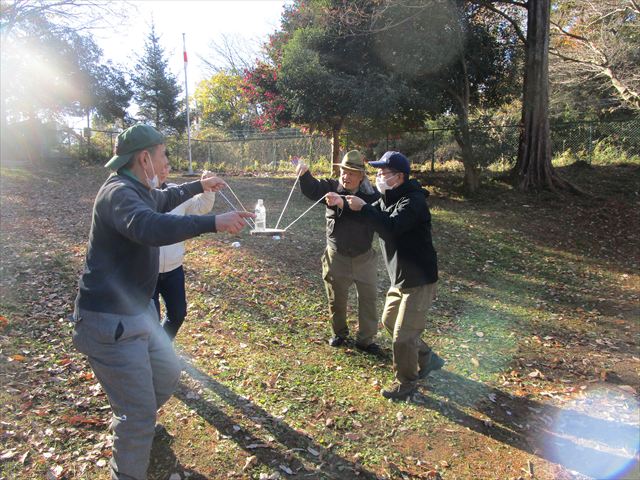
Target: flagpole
[186,92]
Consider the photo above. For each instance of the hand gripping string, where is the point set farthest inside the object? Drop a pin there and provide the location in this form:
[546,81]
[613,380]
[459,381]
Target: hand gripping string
[305,212]
[233,207]
[287,202]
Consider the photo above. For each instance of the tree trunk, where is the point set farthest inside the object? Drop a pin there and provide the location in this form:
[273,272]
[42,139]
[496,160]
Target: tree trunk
[533,169]
[471,182]
[335,146]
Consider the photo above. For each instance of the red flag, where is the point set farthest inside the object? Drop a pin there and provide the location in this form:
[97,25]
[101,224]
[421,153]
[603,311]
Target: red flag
[185,56]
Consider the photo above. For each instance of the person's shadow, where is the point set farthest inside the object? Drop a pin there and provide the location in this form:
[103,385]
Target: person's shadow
[284,449]
[163,461]
[580,441]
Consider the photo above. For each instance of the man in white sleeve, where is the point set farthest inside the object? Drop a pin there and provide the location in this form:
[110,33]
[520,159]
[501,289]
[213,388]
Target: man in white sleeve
[171,278]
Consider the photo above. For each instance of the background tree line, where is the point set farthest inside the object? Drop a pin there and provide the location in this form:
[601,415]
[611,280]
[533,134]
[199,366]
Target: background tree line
[52,67]
[361,70]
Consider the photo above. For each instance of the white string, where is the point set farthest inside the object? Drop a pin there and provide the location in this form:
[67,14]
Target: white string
[234,194]
[287,202]
[232,206]
[304,213]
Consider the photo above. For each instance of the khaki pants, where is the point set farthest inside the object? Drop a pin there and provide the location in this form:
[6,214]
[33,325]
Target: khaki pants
[339,273]
[405,318]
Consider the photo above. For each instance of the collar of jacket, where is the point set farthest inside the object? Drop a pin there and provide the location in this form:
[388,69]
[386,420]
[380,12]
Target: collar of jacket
[411,185]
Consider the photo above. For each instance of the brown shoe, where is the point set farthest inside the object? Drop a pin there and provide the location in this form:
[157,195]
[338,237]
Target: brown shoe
[399,391]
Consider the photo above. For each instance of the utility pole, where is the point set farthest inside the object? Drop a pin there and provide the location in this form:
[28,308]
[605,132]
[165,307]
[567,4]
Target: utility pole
[186,92]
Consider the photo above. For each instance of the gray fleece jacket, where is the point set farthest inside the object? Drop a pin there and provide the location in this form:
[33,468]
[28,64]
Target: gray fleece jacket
[129,224]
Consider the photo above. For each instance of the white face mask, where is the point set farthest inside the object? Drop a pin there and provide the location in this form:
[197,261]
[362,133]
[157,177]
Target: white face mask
[153,182]
[383,184]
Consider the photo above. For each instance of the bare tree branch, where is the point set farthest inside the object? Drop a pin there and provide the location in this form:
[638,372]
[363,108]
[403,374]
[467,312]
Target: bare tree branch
[489,5]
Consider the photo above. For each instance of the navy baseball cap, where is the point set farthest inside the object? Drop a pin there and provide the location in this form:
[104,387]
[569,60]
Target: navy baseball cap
[394,160]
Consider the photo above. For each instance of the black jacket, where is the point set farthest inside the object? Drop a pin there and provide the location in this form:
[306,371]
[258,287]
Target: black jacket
[402,220]
[347,232]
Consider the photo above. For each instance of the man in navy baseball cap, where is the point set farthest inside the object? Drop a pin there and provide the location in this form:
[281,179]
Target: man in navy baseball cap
[393,160]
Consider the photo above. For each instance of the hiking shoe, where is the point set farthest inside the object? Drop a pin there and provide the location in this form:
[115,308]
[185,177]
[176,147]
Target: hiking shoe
[371,349]
[337,341]
[432,362]
[399,391]
[160,431]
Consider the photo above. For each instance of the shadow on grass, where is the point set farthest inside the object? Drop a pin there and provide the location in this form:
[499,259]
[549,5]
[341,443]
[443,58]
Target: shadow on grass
[295,451]
[163,461]
[581,441]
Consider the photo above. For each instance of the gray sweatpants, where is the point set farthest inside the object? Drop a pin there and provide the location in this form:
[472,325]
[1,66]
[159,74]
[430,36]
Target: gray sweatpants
[134,361]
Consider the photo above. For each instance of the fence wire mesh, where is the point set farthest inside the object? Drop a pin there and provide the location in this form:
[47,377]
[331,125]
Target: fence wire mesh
[492,145]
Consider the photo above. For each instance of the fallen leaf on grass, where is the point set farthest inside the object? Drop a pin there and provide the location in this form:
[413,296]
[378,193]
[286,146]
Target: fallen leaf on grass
[433,474]
[8,454]
[628,389]
[251,461]
[82,420]
[475,362]
[55,473]
[18,358]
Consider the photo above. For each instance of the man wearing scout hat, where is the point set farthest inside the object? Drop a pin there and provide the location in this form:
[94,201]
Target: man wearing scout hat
[116,322]
[348,257]
[403,222]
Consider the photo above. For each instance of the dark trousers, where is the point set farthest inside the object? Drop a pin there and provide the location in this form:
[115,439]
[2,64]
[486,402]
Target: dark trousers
[171,287]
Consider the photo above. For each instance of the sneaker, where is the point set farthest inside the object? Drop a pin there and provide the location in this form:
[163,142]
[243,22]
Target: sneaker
[337,341]
[431,363]
[371,349]
[160,431]
[399,391]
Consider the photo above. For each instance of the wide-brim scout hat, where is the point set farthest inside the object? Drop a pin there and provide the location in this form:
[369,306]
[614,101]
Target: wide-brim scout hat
[393,160]
[132,140]
[352,161]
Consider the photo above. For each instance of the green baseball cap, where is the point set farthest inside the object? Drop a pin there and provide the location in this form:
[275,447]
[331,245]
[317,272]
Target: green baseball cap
[132,140]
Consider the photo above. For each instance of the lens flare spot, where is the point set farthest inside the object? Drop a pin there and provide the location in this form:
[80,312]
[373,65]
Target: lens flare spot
[596,433]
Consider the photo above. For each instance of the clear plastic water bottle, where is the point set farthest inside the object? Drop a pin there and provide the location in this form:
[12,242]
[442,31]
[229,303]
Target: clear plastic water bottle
[261,215]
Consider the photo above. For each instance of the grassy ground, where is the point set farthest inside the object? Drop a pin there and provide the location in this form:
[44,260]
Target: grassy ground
[537,317]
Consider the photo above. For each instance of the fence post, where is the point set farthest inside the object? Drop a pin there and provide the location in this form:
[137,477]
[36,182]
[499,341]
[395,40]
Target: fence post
[590,142]
[433,151]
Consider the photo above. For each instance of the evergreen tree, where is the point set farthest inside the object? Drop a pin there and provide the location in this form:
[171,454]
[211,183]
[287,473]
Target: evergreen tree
[156,89]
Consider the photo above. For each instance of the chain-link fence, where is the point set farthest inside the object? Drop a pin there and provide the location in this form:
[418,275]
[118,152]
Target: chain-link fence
[493,146]
[259,152]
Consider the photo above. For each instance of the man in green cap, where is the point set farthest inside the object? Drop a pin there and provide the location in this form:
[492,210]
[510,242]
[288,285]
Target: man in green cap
[348,257]
[116,322]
